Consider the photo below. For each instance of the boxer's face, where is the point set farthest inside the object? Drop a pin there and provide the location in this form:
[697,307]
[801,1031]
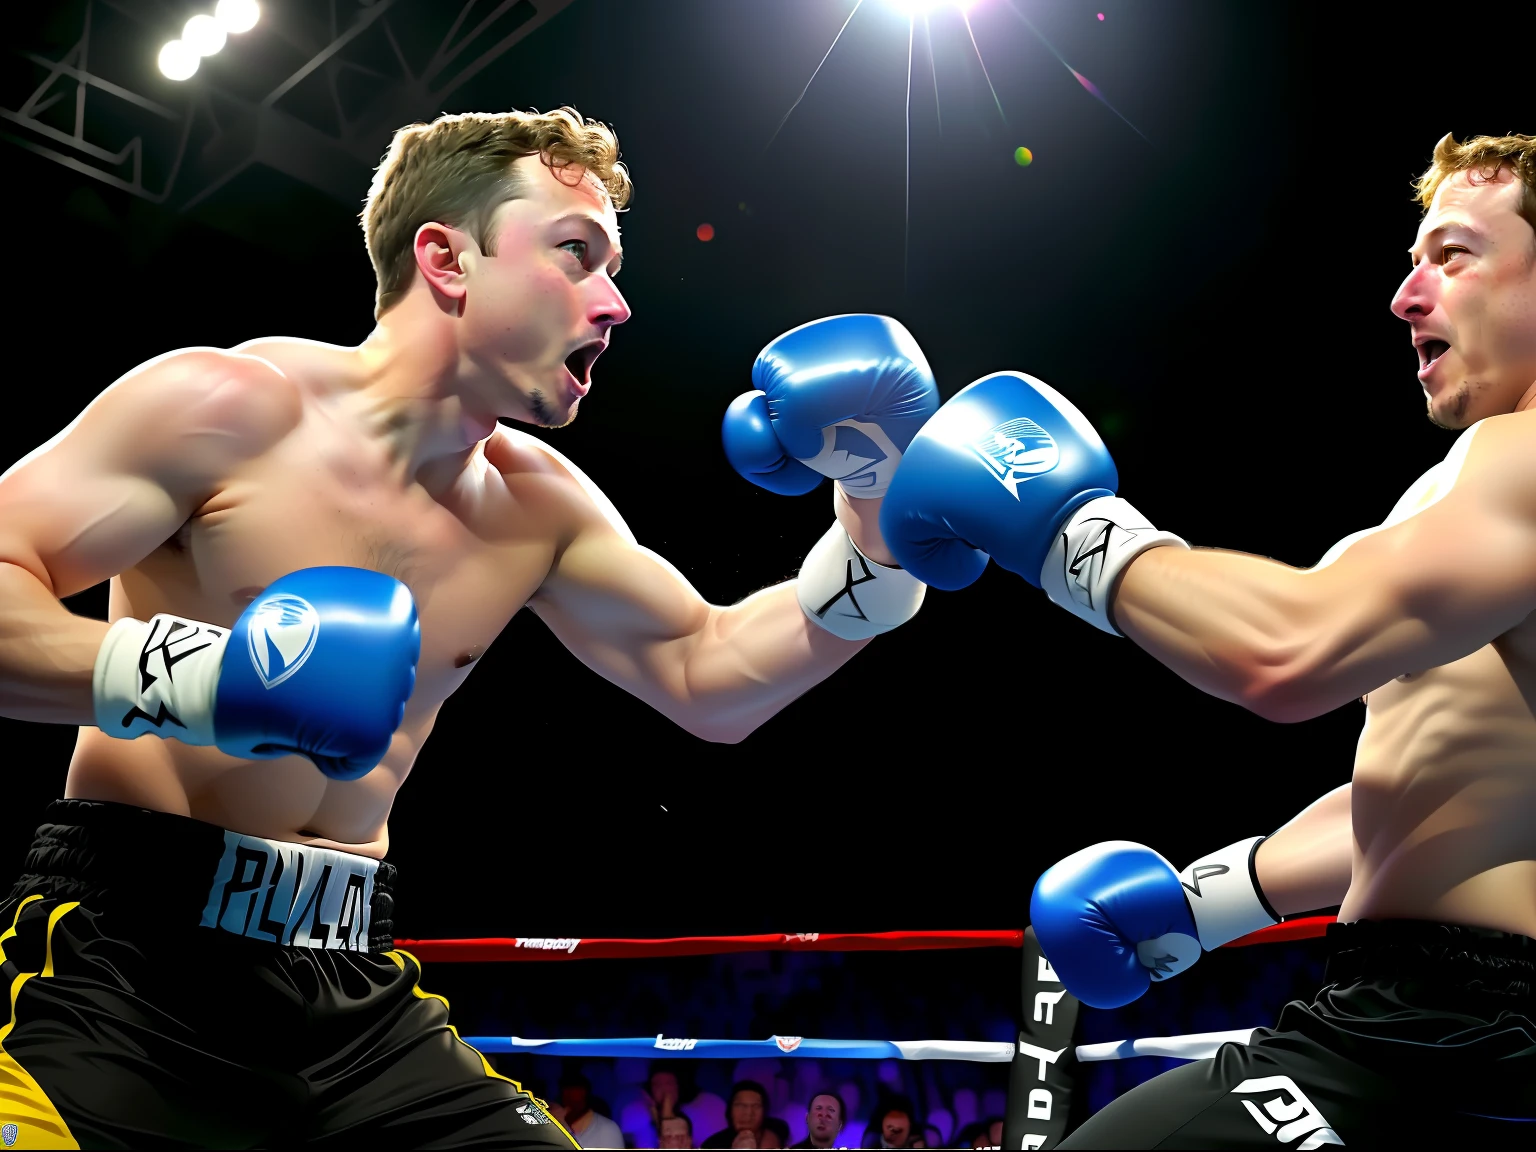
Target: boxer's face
[1471,301]
[538,312]
[825,1118]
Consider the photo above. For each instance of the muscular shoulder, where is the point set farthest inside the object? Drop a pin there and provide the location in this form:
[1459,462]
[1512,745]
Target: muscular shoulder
[207,393]
[1495,461]
[543,480]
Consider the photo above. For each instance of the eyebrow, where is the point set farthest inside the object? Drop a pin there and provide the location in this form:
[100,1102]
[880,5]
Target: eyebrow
[1437,230]
[617,261]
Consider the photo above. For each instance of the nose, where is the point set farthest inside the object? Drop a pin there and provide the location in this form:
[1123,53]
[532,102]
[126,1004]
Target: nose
[1416,296]
[607,306]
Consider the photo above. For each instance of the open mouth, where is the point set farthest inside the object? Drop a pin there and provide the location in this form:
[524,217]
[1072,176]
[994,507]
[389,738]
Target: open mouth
[1430,351]
[579,363]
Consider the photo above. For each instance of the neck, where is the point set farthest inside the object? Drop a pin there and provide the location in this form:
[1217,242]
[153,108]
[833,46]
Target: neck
[412,395]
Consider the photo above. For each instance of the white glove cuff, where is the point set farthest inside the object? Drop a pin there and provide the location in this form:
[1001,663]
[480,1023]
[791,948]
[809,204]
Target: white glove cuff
[1224,895]
[850,595]
[1091,550]
[160,677]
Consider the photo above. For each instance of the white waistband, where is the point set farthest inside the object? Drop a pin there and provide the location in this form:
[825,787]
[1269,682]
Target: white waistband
[292,894]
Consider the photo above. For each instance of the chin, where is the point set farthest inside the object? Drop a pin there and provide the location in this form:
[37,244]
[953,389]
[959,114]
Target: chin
[547,414]
[1450,409]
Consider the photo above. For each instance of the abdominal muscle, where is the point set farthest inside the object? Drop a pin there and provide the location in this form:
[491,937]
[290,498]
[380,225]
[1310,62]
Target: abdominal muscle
[1444,796]
[284,799]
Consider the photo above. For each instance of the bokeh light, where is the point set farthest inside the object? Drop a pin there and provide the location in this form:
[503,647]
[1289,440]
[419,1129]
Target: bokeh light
[177,61]
[241,15]
[705,232]
[203,35]
[1022,156]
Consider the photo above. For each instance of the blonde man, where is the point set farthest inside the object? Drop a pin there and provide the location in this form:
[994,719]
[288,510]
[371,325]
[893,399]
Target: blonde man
[1424,1035]
[309,547]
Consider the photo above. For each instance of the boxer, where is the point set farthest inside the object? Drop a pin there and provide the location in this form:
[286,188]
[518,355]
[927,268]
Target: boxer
[1424,1034]
[308,548]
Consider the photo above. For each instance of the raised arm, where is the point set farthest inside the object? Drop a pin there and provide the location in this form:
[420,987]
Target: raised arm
[103,494]
[1011,469]
[1451,570]
[630,616]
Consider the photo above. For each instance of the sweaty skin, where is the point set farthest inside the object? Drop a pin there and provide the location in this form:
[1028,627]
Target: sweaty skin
[203,476]
[1428,617]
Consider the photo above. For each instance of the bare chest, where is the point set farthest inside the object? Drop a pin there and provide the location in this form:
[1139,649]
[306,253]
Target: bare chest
[1475,713]
[315,502]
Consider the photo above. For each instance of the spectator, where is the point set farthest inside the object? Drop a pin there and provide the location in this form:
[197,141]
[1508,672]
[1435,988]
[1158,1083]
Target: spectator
[744,1117]
[775,1133]
[932,1137]
[675,1131]
[894,1124]
[823,1121]
[590,1129]
[988,1134]
[662,1090]
[970,1134]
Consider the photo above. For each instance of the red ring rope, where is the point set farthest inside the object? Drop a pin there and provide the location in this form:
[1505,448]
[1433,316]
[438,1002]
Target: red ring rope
[501,948]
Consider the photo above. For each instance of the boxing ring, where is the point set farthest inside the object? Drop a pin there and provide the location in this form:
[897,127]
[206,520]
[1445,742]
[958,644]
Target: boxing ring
[1042,1088]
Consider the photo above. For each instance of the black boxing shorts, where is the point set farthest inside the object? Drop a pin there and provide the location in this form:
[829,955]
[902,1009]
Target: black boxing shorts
[174,984]
[1422,1037]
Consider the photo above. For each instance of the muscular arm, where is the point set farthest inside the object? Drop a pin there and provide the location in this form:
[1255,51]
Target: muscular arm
[102,495]
[1306,864]
[1293,643]
[718,672]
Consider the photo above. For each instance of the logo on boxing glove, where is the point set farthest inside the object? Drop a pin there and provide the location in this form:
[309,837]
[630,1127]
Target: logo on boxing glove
[282,634]
[1015,451]
[857,454]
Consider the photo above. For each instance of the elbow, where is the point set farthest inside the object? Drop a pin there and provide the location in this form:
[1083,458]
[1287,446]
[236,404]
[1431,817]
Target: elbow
[1286,692]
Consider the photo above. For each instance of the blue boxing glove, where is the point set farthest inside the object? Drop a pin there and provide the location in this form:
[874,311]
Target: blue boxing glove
[1115,918]
[1010,469]
[320,664]
[839,397]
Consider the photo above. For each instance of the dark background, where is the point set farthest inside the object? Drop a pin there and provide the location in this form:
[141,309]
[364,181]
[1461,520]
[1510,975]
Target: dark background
[1212,293]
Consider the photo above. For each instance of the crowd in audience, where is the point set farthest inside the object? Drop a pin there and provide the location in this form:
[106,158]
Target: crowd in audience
[810,1103]
[668,1112]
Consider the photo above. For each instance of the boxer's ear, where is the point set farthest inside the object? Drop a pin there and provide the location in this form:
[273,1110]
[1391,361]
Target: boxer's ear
[440,253]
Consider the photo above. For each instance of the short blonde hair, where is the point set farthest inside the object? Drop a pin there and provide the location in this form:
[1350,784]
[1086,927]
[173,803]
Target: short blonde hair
[458,169]
[1484,157]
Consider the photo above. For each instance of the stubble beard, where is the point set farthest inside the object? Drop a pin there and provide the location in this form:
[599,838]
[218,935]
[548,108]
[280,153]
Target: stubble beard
[543,416]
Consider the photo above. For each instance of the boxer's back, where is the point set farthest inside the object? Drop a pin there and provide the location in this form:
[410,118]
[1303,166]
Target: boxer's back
[1444,800]
[472,550]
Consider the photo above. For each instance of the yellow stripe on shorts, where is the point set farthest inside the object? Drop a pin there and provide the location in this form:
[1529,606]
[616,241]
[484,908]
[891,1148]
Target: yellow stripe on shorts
[22,1101]
[399,956]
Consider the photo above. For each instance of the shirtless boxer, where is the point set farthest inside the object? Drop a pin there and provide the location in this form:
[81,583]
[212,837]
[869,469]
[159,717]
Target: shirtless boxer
[308,547]
[1423,1036]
